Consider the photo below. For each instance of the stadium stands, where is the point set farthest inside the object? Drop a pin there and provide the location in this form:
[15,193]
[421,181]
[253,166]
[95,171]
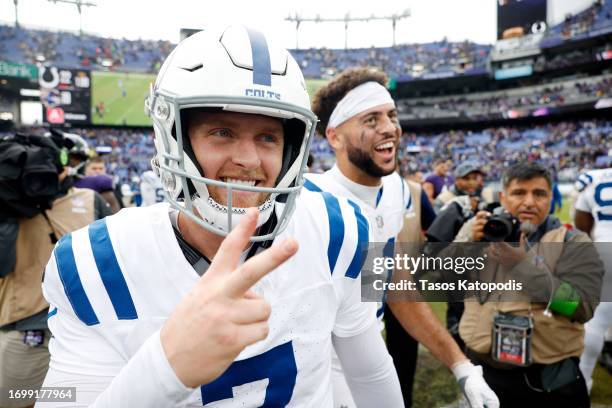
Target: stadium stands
[567,147]
[74,51]
[487,104]
[404,62]
[595,20]
[431,60]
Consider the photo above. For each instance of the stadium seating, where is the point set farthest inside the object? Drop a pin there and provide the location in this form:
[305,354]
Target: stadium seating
[488,104]
[403,62]
[567,147]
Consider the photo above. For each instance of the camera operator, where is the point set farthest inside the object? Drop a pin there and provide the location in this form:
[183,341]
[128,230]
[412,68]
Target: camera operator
[39,205]
[540,368]
[90,172]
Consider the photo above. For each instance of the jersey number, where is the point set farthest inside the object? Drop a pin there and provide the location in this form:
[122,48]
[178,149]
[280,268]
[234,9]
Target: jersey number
[601,216]
[277,365]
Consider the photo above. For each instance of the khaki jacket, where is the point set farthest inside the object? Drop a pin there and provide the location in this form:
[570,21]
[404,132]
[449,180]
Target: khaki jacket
[412,231]
[554,338]
[20,291]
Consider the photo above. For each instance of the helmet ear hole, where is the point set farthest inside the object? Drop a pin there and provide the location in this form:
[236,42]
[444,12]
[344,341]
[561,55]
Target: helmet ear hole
[294,131]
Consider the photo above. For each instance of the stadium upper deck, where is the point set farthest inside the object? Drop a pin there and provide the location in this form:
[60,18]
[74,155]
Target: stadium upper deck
[404,62]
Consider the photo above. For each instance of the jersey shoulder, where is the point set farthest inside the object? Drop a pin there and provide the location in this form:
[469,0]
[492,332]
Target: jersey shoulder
[93,272]
[335,226]
[592,179]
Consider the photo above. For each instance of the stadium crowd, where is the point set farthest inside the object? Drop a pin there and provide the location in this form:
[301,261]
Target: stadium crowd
[491,103]
[406,61]
[81,51]
[567,147]
[402,61]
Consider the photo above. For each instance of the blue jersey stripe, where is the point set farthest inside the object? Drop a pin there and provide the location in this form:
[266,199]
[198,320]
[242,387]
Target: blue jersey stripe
[379,196]
[362,241]
[69,275]
[310,186]
[52,313]
[262,69]
[381,310]
[336,229]
[336,223]
[110,272]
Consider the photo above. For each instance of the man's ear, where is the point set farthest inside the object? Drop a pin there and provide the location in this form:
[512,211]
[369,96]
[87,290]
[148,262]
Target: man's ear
[334,138]
[502,197]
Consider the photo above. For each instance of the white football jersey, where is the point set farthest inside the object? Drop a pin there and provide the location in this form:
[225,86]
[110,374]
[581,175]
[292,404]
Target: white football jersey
[151,189]
[390,203]
[596,198]
[114,283]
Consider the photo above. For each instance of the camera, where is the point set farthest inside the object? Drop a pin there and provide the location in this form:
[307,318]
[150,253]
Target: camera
[502,226]
[29,169]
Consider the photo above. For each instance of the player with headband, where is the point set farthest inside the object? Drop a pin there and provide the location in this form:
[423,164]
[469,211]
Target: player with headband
[359,119]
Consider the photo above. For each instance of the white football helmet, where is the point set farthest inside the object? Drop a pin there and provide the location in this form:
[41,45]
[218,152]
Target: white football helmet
[233,69]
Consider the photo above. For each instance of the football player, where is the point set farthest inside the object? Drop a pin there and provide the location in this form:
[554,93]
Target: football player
[201,301]
[151,190]
[359,118]
[593,215]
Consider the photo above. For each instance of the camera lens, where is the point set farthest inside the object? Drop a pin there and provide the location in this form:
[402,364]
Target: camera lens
[498,228]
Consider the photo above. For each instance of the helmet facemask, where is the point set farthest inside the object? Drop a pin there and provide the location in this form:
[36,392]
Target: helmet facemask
[183,178]
[232,69]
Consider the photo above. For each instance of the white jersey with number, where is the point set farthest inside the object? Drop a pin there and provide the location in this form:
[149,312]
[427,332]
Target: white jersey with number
[151,189]
[112,285]
[595,198]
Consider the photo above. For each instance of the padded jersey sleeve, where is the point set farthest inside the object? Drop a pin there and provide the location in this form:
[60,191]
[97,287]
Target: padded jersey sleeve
[82,355]
[584,201]
[348,238]
[354,316]
[371,377]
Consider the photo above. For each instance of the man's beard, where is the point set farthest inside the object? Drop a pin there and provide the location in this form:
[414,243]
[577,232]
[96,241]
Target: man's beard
[363,161]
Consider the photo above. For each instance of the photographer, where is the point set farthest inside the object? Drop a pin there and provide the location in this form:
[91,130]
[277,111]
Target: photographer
[38,205]
[528,342]
[468,182]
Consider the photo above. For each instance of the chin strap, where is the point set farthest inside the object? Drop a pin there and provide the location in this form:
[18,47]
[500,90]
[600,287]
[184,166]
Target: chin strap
[215,214]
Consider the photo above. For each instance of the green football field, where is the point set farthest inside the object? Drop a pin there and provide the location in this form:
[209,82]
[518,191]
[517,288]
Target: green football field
[312,85]
[122,95]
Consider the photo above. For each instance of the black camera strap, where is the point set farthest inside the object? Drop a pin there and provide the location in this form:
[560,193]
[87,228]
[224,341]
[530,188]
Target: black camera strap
[52,234]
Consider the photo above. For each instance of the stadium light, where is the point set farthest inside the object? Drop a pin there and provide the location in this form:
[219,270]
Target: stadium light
[79,5]
[16,2]
[394,18]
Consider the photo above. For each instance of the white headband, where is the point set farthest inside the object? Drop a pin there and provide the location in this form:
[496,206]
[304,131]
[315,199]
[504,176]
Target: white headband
[357,100]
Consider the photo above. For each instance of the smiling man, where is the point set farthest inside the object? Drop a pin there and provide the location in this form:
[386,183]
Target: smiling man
[359,119]
[203,300]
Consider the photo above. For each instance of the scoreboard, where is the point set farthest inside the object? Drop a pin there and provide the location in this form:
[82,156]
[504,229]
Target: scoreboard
[517,18]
